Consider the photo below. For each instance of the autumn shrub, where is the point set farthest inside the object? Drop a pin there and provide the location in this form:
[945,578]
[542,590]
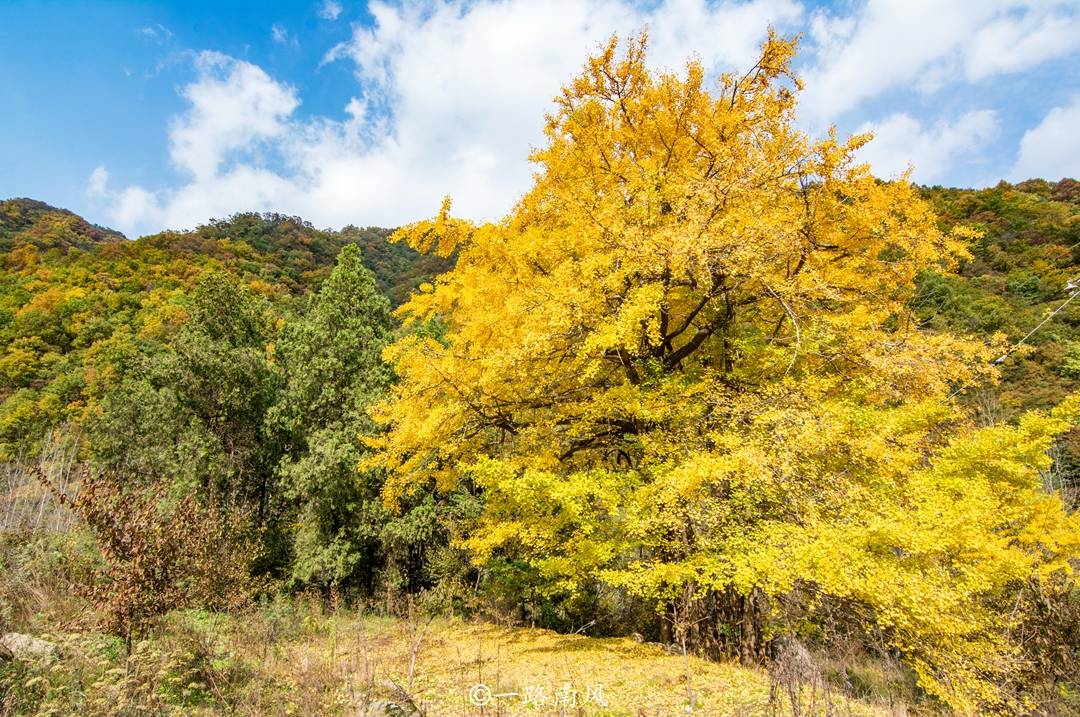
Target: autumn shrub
[1049,635]
[160,552]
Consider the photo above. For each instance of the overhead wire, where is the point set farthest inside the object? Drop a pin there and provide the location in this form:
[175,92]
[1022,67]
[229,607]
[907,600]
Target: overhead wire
[1073,287]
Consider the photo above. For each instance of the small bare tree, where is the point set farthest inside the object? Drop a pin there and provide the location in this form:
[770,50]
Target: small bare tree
[159,553]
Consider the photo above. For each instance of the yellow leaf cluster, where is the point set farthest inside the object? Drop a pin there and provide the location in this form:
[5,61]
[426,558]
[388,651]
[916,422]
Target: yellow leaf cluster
[687,358]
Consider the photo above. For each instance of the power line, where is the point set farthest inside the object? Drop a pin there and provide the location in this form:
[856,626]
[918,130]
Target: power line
[1073,287]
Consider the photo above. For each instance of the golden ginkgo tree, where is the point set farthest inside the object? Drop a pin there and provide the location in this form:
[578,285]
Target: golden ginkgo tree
[685,365]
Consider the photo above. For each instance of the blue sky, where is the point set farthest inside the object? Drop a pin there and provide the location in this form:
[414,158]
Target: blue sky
[143,115]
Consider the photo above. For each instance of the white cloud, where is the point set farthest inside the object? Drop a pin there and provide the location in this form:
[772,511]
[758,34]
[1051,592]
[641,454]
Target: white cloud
[135,207]
[452,98]
[926,44]
[234,106]
[279,34]
[1010,44]
[1051,150]
[98,183]
[329,10]
[900,142]
[236,111]
[158,33]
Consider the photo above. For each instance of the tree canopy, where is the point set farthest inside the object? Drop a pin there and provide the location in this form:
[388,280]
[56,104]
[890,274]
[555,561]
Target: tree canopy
[687,365]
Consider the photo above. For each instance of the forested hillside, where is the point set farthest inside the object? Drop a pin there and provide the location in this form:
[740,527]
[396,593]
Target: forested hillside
[75,295]
[1017,273]
[1029,249]
[27,221]
[76,299]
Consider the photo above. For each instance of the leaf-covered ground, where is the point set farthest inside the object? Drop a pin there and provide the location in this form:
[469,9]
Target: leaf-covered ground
[290,659]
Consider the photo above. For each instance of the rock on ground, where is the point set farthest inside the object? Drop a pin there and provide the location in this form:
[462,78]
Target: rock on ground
[27,647]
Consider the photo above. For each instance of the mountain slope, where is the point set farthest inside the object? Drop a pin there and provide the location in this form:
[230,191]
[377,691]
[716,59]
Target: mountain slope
[1016,275]
[76,299]
[28,221]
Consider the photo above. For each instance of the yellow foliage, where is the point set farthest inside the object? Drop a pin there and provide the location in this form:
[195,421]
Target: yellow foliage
[687,360]
[537,672]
